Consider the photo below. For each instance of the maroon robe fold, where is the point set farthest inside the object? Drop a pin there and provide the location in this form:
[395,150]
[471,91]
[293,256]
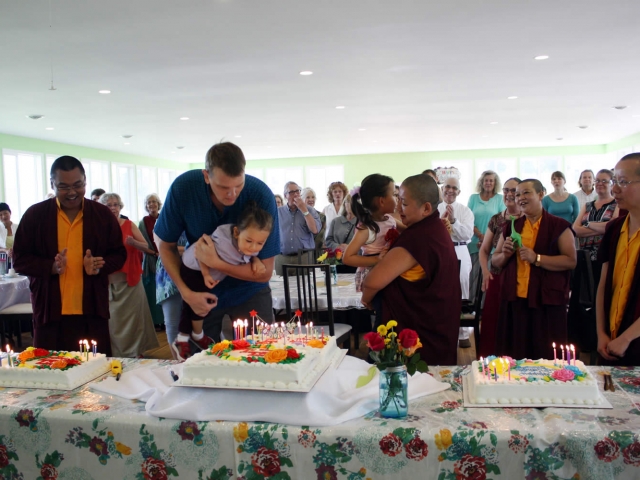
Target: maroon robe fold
[430,306]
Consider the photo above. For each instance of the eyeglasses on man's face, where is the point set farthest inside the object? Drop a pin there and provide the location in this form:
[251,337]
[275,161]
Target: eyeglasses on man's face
[602,181]
[294,192]
[623,183]
[75,187]
[451,187]
[507,191]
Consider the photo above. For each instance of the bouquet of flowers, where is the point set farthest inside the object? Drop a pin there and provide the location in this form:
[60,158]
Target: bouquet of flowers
[390,349]
[331,257]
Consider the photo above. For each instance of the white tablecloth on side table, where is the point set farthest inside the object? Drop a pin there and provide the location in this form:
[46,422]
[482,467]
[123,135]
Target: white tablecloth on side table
[14,291]
[344,294]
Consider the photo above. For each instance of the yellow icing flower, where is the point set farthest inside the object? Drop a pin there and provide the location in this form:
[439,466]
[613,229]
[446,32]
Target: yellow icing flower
[443,439]
[276,356]
[123,449]
[31,348]
[392,323]
[382,330]
[241,432]
[315,343]
[233,359]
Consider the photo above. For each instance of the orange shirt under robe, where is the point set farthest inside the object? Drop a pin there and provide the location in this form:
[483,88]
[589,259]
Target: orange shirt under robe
[625,267]
[529,236]
[71,281]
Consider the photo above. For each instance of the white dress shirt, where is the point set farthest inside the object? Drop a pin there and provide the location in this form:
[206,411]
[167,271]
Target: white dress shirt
[583,198]
[3,233]
[461,235]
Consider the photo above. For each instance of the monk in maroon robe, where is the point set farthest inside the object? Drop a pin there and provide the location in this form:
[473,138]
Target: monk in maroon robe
[419,275]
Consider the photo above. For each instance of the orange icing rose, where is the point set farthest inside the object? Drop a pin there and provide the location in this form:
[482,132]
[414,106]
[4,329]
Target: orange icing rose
[275,356]
[219,347]
[26,355]
[315,343]
[59,364]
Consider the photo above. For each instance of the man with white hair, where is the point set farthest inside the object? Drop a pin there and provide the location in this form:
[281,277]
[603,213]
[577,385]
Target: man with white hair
[461,220]
[298,224]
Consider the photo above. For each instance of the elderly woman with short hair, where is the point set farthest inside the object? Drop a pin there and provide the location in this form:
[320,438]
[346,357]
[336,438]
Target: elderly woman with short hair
[7,230]
[130,326]
[336,194]
[152,204]
[309,197]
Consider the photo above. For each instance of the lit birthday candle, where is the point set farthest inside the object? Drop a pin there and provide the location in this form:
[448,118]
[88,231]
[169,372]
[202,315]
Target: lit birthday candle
[312,332]
[482,366]
[246,327]
[9,356]
[299,329]
[573,354]
[555,358]
[86,348]
[568,355]
[562,350]
[94,347]
[81,344]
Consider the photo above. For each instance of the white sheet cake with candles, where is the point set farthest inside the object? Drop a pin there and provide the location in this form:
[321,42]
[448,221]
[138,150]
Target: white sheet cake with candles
[561,381]
[42,368]
[288,357]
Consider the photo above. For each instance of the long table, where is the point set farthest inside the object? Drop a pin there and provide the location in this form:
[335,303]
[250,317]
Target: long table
[344,295]
[87,435]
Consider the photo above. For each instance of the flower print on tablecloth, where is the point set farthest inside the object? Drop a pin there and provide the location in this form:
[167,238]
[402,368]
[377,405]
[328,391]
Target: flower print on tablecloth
[7,456]
[151,462]
[261,453]
[453,377]
[101,443]
[384,452]
[195,445]
[30,431]
[449,406]
[49,465]
[469,454]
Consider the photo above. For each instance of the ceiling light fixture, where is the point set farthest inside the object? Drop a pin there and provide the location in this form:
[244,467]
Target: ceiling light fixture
[180,147]
[541,57]
[35,117]
[127,143]
[493,123]
[340,107]
[620,107]
[559,138]
[104,92]
[238,136]
[127,136]
[184,118]
[49,128]
[362,129]
[513,97]
[306,73]
[583,126]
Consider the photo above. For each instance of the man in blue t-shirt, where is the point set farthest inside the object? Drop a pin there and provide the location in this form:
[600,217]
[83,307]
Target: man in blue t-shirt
[196,204]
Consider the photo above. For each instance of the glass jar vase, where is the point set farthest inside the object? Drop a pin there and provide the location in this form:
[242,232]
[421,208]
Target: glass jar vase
[394,397]
[334,274]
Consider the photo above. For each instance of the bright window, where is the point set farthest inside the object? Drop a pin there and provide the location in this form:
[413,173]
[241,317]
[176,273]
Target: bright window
[23,181]
[124,184]
[97,173]
[506,168]
[165,179]
[575,165]
[147,183]
[277,177]
[255,172]
[319,178]
[541,168]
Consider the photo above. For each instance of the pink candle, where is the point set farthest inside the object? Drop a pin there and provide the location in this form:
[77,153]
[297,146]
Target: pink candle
[562,349]
[313,335]
[482,367]
[573,354]
[555,358]
[246,327]
[299,329]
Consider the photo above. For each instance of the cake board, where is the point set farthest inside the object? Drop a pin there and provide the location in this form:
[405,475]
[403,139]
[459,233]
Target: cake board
[466,401]
[24,387]
[333,362]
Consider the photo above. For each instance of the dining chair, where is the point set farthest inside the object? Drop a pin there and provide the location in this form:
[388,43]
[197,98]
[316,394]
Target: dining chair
[471,312]
[307,256]
[11,321]
[305,279]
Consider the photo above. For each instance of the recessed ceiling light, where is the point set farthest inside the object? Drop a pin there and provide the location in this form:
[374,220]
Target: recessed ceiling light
[559,138]
[173,152]
[127,136]
[620,107]
[306,73]
[340,107]
[127,143]
[35,117]
[493,123]
[362,129]
[583,126]
[238,136]
[513,97]
[184,118]
[541,57]
[485,136]
[180,147]
[49,128]
[104,92]
[636,116]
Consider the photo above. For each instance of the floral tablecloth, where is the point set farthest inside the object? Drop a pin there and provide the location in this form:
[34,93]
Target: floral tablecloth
[13,291]
[46,434]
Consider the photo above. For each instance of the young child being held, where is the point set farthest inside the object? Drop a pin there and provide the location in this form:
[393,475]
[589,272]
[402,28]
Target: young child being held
[235,244]
[373,205]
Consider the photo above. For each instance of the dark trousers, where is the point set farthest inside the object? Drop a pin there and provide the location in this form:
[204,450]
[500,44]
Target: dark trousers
[67,333]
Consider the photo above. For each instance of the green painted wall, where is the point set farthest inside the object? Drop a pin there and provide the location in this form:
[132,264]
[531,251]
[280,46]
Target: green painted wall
[45,147]
[402,165]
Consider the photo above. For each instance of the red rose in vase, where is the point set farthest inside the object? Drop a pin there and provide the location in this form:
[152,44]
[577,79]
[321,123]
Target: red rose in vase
[408,338]
[374,341]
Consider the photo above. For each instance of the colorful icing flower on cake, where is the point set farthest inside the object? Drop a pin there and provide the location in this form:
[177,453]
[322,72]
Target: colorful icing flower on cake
[292,354]
[275,356]
[238,344]
[220,347]
[315,343]
[26,355]
[563,375]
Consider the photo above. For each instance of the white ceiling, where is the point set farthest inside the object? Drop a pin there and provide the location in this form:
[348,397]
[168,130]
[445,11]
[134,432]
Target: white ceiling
[417,75]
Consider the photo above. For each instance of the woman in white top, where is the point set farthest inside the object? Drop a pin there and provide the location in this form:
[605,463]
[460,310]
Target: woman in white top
[7,230]
[335,194]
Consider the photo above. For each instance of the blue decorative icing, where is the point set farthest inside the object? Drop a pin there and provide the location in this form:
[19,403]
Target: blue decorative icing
[531,370]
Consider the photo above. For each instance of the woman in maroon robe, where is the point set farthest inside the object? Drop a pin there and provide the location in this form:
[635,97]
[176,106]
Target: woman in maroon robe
[419,275]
